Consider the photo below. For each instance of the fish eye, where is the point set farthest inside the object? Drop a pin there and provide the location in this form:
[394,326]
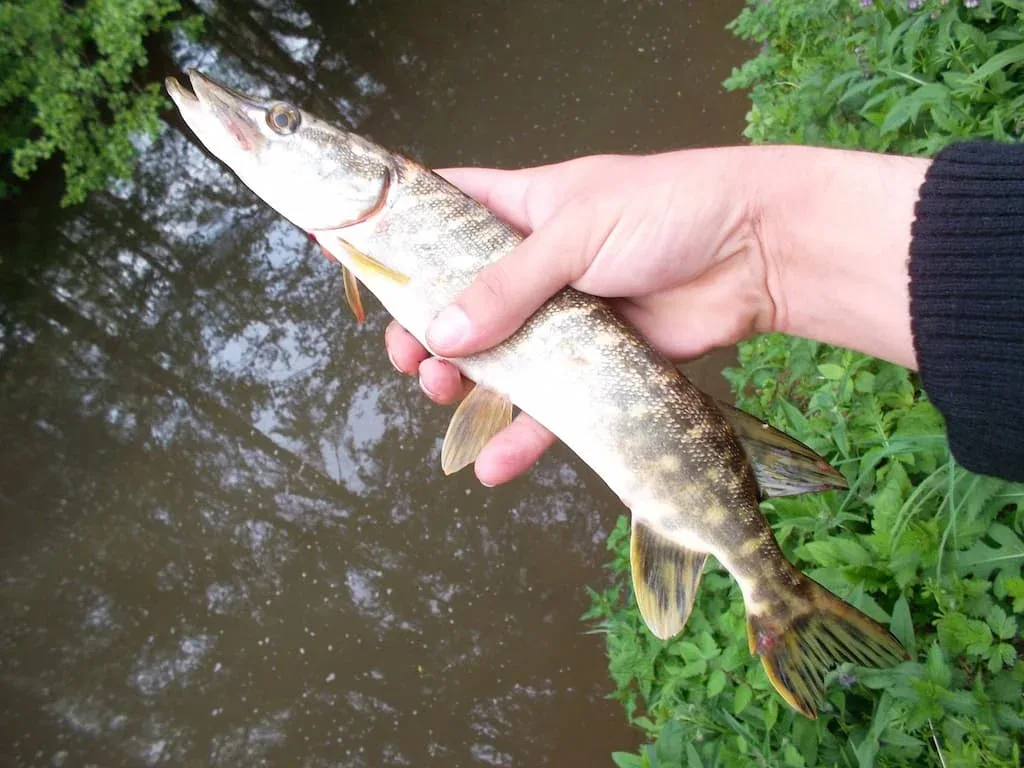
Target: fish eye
[283,119]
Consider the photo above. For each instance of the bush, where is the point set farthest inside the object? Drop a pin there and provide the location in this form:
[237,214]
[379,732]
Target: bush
[918,543]
[69,87]
[883,77]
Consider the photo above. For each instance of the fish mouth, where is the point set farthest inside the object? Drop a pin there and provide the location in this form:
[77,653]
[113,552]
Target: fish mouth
[210,108]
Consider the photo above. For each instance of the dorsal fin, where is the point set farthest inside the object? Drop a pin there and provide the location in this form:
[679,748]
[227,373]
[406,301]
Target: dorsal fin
[782,464]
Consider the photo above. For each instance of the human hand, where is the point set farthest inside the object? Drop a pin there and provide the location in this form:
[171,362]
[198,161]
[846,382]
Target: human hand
[670,239]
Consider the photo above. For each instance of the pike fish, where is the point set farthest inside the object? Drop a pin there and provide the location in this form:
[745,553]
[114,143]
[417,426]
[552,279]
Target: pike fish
[691,471]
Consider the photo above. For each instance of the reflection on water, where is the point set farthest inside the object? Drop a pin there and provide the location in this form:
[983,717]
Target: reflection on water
[227,540]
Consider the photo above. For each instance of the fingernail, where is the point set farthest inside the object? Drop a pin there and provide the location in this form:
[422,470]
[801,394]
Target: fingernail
[393,362]
[449,328]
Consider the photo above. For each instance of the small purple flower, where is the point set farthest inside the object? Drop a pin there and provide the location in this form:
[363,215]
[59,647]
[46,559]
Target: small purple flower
[913,5]
[866,3]
[847,680]
[971,3]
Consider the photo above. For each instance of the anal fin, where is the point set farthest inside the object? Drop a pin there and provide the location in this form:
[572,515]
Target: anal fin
[782,464]
[665,579]
[479,417]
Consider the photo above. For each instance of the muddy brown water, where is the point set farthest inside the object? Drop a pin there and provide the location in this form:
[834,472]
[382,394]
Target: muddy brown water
[226,538]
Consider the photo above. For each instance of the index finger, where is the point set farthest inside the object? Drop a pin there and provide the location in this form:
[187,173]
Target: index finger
[506,193]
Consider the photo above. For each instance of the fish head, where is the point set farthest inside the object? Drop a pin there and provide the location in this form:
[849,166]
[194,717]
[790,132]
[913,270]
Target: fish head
[318,176]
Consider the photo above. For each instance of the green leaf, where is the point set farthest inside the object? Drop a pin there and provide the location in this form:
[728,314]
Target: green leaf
[998,62]
[864,382]
[669,748]
[937,668]
[906,109]
[741,699]
[837,552]
[902,626]
[1004,627]
[982,559]
[959,634]
[831,371]
[627,760]
[716,683]
[792,757]
[1015,590]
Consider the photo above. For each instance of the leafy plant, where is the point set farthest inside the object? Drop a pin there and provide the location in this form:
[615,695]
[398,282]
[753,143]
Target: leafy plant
[71,86]
[932,551]
[901,76]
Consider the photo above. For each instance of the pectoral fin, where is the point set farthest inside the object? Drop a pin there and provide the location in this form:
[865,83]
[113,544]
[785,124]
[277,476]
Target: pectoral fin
[665,580]
[370,264]
[782,464]
[352,295]
[478,418]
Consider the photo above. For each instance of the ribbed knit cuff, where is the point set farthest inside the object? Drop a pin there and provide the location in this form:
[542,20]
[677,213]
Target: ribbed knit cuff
[967,301]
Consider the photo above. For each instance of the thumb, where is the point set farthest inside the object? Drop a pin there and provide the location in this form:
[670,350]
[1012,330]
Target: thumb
[508,291]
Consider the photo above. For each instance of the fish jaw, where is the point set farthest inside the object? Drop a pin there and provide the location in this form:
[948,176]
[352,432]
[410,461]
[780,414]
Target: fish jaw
[225,121]
[319,177]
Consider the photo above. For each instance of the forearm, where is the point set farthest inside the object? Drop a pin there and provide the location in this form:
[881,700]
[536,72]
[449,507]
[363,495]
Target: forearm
[835,229]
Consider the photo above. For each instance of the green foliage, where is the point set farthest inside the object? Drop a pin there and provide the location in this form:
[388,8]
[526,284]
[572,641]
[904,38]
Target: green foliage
[70,86]
[884,77]
[918,543]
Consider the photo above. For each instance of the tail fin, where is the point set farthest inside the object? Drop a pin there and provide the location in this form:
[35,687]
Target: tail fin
[820,633]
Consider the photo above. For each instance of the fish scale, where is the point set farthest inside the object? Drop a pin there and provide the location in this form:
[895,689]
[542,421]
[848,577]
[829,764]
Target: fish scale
[691,471]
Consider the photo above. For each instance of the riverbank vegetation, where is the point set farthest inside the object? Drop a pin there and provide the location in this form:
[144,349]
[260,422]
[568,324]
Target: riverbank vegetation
[75,88]
[920,544]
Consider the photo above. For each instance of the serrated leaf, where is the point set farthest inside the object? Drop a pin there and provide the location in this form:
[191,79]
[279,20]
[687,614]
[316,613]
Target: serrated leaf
[1015,590]
[981,559]
[959,634]
[907,108]
[936,667]
[836,552]
[1004,627]
[896,738]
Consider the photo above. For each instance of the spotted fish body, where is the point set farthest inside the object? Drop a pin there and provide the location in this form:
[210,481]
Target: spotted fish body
[580,370]
[666,449]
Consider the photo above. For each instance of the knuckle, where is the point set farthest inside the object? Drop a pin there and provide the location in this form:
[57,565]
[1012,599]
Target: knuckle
[493,285]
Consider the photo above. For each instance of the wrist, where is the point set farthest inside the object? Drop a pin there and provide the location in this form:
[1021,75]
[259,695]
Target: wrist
[834,231]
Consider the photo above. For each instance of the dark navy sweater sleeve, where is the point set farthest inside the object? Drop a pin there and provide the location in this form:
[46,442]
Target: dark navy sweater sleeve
[967,301]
